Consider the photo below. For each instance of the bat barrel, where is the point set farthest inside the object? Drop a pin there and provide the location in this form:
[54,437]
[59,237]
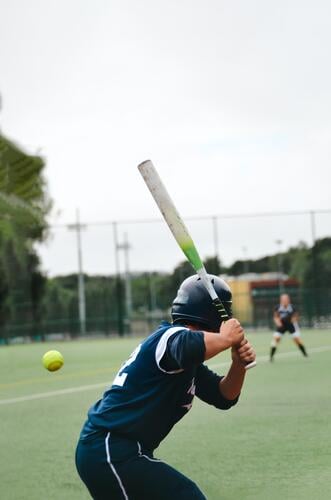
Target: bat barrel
[180,232]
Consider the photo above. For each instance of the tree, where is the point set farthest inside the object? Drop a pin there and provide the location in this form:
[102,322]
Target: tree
[214,266]
[24,204]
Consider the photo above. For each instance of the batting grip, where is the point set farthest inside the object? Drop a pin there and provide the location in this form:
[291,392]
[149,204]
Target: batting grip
[224,315]
[221,309]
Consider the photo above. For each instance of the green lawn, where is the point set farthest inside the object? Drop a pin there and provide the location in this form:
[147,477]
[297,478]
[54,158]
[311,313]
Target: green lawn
[274,445]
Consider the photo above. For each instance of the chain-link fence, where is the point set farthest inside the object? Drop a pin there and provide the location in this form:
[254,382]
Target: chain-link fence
[254,310]
[117,278]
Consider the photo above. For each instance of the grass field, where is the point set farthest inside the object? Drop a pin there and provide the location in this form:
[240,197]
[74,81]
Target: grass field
[275,444]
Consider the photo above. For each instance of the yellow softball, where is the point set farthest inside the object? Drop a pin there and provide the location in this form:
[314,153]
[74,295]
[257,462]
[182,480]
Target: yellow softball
[53,360]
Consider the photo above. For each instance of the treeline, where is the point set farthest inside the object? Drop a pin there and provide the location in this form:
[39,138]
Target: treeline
[311,266]
[105,299]
[32,304]
[152,293]
[24,204]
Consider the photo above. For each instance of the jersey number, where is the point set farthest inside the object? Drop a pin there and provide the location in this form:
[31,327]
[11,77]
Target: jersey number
[122,375]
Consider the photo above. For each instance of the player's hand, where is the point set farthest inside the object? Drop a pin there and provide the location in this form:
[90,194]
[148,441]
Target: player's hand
[232,333]
[244,353]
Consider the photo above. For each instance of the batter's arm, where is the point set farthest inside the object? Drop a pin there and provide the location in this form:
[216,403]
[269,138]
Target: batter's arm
[230,386]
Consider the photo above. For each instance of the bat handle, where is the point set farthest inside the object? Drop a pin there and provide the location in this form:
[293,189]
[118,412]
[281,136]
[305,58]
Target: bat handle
[250,365]
[224,315]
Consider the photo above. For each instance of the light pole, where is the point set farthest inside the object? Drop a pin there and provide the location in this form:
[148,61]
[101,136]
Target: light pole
[152,293]
[246,264]
[118,284]
[128,294]
[81,285]
[280,267]
[314,263]
[215,236]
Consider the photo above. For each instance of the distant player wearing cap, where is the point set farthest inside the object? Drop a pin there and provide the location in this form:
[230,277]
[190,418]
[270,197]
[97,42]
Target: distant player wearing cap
[286,320]
[153,390]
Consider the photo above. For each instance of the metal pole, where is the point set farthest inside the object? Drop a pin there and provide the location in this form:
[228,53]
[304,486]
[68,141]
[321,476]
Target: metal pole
[215,233]
[313,227]
[152,292]
[118,284]
[128,295]
[314,264]
[81,285]
[246,264]
[280,268]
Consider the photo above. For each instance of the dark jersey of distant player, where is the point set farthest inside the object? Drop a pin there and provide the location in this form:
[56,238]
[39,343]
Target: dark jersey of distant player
[155,387]
[286,314]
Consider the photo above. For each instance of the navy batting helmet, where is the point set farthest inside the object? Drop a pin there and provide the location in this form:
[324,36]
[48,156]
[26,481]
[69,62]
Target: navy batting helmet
[194,305]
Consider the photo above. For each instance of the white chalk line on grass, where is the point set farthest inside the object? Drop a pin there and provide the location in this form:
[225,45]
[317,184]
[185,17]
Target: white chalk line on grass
[82,388]
[60,392]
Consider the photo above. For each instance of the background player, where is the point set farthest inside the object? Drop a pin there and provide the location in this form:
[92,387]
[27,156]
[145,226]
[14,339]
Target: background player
[286,320]
[153,390]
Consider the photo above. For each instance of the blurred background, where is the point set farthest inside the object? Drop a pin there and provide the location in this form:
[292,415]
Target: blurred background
[230,101]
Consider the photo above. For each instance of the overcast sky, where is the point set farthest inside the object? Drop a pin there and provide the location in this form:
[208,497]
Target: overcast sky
[231,101]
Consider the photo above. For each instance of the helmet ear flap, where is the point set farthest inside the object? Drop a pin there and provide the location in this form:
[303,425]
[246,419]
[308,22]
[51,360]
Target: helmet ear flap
[194,305]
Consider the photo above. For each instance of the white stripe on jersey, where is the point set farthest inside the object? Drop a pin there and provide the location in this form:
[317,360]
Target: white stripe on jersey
[125,496]
[141,455]
[162,345]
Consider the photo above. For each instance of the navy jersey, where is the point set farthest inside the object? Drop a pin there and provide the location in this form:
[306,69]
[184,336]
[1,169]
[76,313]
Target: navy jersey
[285,313]
[155,387]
